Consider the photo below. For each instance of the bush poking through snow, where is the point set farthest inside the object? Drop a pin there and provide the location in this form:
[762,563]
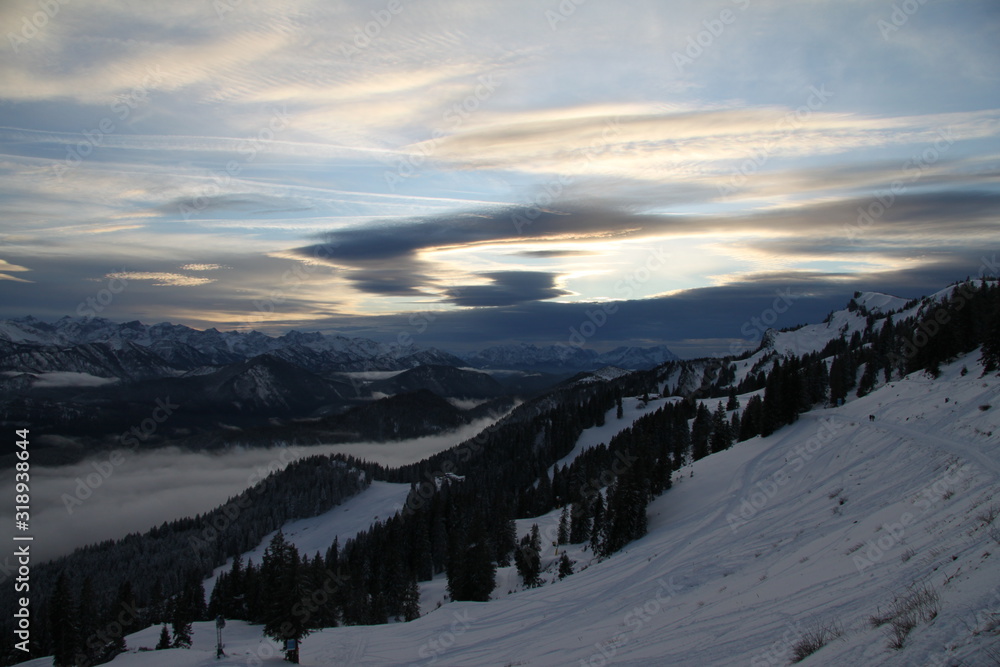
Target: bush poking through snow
[989,514]
[900,627]
[814,639]
[919,604]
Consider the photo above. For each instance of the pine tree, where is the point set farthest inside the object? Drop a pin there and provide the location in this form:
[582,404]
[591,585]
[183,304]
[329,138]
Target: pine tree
[868,379]
[506,541]
[155,608]
[733,403]
[164,642]
[232,603]
[62,625]
[991,342]
[625,519]
[597,529]
[750,420]
[471,569]
[774,396]
[580,522]
[124,610]
[282,589]
[721,438]
[701,431]
[563,534]
[528,558]
[180,623]
[86,618]
[565,566]
[411,601]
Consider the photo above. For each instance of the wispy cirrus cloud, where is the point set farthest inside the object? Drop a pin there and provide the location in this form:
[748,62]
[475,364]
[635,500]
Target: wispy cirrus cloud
[161,279]
[339,174]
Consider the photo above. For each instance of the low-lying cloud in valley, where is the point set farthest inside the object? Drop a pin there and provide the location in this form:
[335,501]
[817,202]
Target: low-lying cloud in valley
[96,500]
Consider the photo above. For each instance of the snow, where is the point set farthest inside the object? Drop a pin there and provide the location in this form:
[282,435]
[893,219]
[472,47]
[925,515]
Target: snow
[877,302]
[820,524]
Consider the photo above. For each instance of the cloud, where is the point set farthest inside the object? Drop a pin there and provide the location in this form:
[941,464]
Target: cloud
[508,288]
[150,487]
[161,278]
[69,379]
[201,267]
[553,254]
[6,267]
[405,258]
[659,143]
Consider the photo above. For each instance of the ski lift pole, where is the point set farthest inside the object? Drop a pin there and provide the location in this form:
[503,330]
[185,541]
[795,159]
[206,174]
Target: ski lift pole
[219,624]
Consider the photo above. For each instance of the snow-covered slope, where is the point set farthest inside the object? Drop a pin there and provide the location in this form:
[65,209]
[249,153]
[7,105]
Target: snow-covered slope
[880,303]
[821,525]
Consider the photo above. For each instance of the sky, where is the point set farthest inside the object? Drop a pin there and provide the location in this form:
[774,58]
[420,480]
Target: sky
[478,173]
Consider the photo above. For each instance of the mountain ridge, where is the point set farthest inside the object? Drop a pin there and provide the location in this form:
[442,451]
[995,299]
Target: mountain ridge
[186,348]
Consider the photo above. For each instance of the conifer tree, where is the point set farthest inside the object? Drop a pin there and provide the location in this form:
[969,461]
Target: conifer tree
[565,566]
[580,522]
[164,642]
[471,569]
[733,403]
[701,431]
[282,589]
[528,558]
[180,623]
[411,601]
[868,379]
[597,528]
[62,625]
[86,618]
[721,437]
[123,619]
[774,395]
[991,340]
[625,519]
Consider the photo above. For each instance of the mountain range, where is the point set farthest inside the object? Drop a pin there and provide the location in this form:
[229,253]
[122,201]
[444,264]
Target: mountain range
[135,350]
[90,380]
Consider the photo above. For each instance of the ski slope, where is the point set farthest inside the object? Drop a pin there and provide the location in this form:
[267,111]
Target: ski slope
[821,524]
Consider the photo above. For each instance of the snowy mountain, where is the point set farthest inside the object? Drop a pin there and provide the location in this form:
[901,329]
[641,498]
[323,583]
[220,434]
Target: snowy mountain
[837,533]
[186,348]
[830,497]
[183,348]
